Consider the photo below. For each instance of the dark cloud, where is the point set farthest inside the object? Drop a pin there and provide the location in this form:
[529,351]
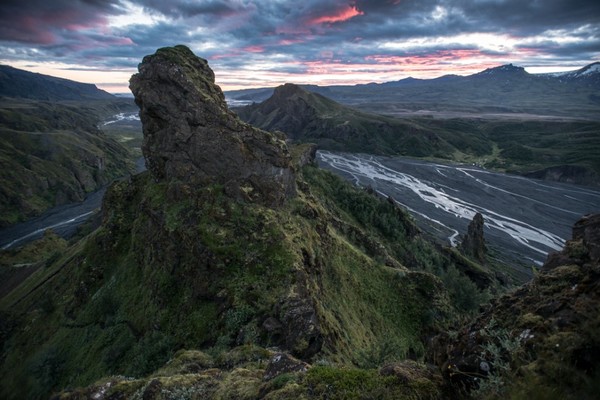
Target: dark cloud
[41,21]
[284,34]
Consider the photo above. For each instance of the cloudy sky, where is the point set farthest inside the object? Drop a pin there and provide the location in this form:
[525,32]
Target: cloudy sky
[269,42]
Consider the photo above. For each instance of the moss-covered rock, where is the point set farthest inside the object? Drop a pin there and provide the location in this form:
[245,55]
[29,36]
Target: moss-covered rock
[331,273]
[539,340]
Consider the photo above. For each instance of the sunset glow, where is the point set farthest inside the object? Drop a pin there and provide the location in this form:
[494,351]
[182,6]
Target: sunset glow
[252,44]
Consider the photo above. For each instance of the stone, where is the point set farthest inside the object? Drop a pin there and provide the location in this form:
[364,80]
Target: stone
[282,363]
[473,244]
[191,136]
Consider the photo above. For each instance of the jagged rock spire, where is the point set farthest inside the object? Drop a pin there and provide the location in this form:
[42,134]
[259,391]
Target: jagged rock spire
[190,135]
[473,244]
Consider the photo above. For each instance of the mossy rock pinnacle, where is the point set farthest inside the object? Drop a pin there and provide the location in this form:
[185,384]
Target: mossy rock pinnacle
[191,136]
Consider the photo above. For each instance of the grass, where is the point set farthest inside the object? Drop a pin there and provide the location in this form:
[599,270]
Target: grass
[175,267]
[53,153]
[515,145]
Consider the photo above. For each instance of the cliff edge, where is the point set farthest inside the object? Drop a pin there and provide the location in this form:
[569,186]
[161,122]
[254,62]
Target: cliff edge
[191,136]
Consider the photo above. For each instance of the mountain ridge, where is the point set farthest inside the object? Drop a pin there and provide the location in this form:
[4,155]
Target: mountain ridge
[19,83]
[503,89]
[184,263]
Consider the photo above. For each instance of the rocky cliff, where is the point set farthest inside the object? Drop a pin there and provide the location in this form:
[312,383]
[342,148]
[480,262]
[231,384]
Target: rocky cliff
[191,136]
[227,246]
[540,340]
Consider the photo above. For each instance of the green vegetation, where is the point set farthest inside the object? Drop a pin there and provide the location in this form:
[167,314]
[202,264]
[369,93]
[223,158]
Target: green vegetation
[180,267]
[193,374]
[53,153]
[564,150]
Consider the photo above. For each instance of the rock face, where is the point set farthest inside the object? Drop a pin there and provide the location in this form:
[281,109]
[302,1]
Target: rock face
[582,248]
[191,136]
[473,244]
[542,336]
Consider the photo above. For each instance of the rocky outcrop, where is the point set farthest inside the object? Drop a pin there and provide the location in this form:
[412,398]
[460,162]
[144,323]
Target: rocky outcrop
[191,136]
[542,336]
[283,363]
[473,244]
[584,247]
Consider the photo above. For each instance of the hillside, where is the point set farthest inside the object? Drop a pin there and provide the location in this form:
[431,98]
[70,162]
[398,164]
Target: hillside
[536,342]
[559,150]
[52,150]
[310,117]
[230,243]
[24,84]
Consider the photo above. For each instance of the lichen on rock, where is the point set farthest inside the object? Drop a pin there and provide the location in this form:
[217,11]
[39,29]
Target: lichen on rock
[190,135]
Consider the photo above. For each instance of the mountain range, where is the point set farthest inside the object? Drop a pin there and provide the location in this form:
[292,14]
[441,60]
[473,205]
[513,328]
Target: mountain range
[506,89]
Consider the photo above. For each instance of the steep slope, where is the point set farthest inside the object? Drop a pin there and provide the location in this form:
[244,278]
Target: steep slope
[28,85]
[310,117]
[53,153]
[539,341]
[187,257]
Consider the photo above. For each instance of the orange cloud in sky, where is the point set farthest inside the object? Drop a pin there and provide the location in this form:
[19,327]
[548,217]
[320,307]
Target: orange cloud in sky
[342,15]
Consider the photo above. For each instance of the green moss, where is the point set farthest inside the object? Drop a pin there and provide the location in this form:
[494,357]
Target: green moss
[347,384]
[177,267]
[241,383]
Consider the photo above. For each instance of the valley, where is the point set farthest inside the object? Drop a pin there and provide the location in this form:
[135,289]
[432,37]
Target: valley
[123,127]
[396,258]
[524,218]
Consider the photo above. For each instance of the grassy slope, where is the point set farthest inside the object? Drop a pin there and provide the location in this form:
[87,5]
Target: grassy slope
[310,117]
[177,267]
[517,146]
[53,153]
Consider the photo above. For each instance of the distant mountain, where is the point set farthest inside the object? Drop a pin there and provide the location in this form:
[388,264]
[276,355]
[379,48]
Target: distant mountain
[588,75]
[506,89]
[311,117]
[28,85]
[507,70]
[566,151]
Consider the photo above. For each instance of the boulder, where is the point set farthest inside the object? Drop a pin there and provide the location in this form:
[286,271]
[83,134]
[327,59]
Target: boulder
[282,363]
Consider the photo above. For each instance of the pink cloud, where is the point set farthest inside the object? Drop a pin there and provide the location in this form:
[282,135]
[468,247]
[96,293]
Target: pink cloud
[344,14]
[287,42]
[254,49]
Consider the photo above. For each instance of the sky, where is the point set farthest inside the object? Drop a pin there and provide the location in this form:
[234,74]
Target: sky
[270,42]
